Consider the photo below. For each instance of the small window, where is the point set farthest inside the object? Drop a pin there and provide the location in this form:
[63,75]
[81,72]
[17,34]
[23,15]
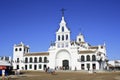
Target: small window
[62,37]
[26,60]
[45,59]
[82,58]
[66,37]
[40,66]
[79,39]
[58,37]
[27,50]
[30,66]
[17,66]
[93,58]
[82,66]
[20,49]
[31,60]
[18,60]
[88,58]
[24,49]
[40,59]
[88,66]
[35,60]
[101,47]
[62,29]
[16,49]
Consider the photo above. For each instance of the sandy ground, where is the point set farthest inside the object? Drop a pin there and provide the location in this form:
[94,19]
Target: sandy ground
[37,75]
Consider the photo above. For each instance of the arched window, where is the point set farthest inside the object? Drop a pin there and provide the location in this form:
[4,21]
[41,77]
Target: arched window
[62,29]
[66,37]
[31,59]
[62,37]
[20,49]
[16,49]
[88,58]
[18,60]
[40,66]
[79,39]
[35,59]
[40,59]
[45,59]
[58,37]
[26,60]
[82,58]
[93,58]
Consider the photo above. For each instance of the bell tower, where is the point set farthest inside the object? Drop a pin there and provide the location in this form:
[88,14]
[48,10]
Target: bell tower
[80,38]
[63,34]
[18,54]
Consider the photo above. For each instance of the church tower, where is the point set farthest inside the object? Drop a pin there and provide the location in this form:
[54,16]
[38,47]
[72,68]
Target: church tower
[80,38]
[63,34]
[18,54]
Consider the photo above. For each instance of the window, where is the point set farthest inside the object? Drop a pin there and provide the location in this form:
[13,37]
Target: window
[101,47]
[40,59]
[18,60]
[30,66]
[62,29]
[24,49]
[17,66]
[93,58]
[62,37]
[94,66]
[26,67]
[88,58]
[88,66]
[35,59]
[45,59]
[26,60]
[20,49]
[31,59]
[16,49]
[27,50]
[40,66]
[82,58]
[79,39]
[82,66]
[66,37]
[58,37]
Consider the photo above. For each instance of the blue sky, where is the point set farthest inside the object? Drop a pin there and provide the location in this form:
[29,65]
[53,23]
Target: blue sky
[34,22]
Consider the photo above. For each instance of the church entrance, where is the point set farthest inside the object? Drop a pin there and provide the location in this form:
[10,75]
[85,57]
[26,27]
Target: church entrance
[63,60]
[65,64]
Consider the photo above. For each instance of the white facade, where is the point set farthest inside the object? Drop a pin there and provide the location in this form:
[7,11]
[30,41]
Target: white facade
[5,61]
[63,54]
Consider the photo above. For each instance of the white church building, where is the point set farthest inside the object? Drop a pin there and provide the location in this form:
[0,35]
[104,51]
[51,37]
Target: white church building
[63,54]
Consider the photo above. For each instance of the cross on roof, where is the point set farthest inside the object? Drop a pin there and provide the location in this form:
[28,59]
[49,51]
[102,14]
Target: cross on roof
[62,10]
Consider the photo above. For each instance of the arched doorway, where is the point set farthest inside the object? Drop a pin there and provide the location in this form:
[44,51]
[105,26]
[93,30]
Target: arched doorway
[63,60]
[65,64]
